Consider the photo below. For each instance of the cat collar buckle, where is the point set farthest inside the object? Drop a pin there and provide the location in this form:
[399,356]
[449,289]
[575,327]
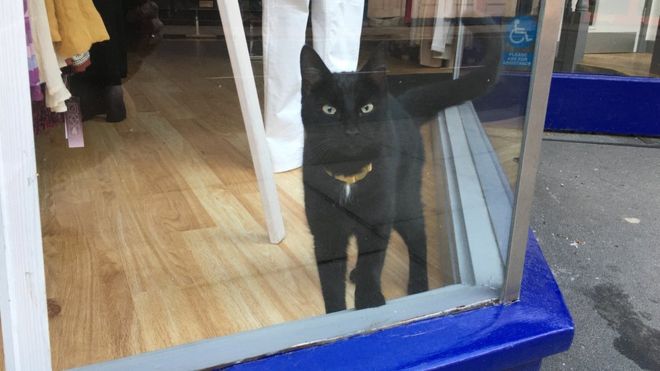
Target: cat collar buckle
[352,179]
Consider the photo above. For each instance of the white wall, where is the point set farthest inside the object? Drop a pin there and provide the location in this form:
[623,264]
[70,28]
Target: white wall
[618,16]
[624,16]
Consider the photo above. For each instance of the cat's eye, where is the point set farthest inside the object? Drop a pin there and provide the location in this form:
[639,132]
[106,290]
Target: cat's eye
[367,108]
[329,110]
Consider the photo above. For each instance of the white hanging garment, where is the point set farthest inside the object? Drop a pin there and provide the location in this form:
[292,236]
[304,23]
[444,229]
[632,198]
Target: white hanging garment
[336,27]
[445,11]
[49,68]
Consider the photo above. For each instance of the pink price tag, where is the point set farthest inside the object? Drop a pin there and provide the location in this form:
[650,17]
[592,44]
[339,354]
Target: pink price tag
[73,124]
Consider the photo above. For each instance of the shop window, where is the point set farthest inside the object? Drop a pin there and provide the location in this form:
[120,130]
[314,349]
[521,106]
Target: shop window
[395,135]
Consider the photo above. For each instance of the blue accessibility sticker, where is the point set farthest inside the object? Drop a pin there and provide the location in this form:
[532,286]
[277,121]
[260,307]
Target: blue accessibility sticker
[521,32]
[520,40]
[517,59]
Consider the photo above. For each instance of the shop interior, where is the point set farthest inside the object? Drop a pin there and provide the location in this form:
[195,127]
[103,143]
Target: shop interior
[153,231]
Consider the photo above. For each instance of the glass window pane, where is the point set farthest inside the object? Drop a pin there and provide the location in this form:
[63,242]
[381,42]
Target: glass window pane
[395,138]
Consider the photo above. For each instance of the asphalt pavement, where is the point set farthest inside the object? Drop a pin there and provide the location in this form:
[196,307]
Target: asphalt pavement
[597,217]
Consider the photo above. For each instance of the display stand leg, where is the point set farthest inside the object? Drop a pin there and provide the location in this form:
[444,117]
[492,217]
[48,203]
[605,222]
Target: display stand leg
[232,25]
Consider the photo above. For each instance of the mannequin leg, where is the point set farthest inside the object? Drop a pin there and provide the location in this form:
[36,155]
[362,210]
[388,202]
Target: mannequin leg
[284,25]
[337,26]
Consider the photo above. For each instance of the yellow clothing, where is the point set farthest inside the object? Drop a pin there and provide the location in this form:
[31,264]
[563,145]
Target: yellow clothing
[52,21]
[74,26]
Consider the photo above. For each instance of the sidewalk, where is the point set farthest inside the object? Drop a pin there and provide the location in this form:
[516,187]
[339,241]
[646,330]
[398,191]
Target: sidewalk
[596,215]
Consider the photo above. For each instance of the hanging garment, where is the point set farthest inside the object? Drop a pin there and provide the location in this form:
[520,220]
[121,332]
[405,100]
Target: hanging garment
[75,25]
[431,30]
[336,27]
[49,70]
[445,11]
[33,67]
[43,118]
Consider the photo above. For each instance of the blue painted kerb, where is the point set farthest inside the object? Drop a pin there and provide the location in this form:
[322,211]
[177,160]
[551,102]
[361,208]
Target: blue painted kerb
[492,338]
[580,103]
[614,105]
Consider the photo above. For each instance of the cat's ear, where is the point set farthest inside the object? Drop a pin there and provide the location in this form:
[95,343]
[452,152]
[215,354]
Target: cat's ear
[376,66]
[312,68]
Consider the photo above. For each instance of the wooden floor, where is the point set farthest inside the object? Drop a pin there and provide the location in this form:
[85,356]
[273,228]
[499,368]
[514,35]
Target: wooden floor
[153,233]
[626,64]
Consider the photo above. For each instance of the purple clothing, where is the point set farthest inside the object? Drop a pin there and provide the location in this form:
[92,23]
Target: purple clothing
[43,118]
[35,88]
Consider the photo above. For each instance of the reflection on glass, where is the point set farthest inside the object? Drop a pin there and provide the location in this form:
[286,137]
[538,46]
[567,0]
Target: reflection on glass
[394,180]
[610,37]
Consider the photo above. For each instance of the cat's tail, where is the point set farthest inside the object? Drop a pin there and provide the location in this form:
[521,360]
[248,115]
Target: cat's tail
[427,100]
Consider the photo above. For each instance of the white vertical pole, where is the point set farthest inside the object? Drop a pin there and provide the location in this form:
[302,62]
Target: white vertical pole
[460,40]
[196,22]
[232,24]
[22,281]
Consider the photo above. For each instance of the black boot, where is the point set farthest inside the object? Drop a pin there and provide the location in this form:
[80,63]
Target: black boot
[114,104]
[92,100]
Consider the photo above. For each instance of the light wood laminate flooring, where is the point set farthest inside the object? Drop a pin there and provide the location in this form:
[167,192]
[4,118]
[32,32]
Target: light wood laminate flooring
[154,235]
[626,64]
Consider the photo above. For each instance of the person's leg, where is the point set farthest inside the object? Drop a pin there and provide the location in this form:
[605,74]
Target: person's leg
[284,25]
[337,26]
[99,87]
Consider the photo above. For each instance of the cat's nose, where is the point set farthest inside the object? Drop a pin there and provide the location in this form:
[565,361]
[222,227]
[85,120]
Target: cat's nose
[352,131]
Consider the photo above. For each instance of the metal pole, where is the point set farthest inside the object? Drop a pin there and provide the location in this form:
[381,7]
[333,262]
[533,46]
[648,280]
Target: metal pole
[574,34]
[196,22]
[655,62]
[580,24]
[537,104]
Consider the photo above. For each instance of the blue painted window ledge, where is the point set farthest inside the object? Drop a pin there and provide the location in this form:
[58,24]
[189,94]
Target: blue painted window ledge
[511,337]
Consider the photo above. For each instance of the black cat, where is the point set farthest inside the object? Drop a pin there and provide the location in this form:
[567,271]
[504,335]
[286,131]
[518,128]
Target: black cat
[363,158]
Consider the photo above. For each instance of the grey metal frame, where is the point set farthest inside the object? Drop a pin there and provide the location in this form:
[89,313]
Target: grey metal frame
[470,172]
[304,333]
[537,105]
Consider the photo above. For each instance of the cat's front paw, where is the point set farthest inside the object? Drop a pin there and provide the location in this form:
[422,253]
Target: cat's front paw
[334,307]
[369,299]
[417,286]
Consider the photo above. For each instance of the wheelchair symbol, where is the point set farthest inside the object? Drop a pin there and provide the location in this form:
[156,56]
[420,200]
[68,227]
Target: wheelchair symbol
[519,35]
